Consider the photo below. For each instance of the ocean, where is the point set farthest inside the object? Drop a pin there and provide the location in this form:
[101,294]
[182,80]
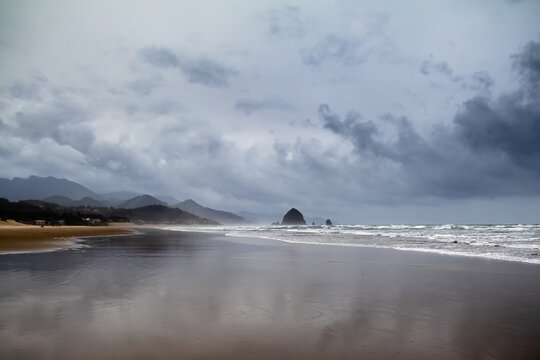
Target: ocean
[502,242]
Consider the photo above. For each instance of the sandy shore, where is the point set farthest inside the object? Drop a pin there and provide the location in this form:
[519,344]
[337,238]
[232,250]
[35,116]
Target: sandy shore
[180,295]
[17,237]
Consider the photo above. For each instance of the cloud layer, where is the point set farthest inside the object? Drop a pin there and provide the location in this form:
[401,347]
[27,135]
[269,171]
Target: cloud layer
[359,113]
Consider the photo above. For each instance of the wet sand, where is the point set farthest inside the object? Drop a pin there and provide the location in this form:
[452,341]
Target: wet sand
[17,237]
[179,295]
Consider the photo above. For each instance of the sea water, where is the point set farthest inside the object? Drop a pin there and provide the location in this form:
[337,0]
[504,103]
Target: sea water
[502,242]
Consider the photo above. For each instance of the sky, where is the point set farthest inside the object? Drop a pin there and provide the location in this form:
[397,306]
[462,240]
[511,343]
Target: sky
[361,111]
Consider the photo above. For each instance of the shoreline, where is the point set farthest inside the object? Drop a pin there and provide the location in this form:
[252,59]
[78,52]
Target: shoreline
[18,238]
[440,252]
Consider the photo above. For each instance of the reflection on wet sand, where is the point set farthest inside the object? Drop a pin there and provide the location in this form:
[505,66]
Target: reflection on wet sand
[191,295]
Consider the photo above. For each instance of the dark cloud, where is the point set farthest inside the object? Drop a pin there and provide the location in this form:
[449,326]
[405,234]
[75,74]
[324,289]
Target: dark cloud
[59,121]
[198,71]
[367,137]
[160,57]
[207,72]
[353,127]
[509,126]
[480,80]
[251,106]
[285,22]
[429,66]
[528,65]
[409,164]
[493,147]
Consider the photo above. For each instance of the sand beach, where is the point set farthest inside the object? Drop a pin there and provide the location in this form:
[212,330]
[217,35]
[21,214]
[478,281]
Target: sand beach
[18,237]
[182,295]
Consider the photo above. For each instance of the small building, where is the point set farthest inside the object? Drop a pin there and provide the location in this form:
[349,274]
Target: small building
[39,222]
[60,222]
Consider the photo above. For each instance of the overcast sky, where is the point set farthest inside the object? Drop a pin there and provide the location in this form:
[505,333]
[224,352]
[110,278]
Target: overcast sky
[362,111]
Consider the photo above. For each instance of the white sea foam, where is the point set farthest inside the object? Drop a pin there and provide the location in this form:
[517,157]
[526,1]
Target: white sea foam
[502,242]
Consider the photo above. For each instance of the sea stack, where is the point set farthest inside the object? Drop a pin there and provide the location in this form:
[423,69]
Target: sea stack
[328,222]
[293,217]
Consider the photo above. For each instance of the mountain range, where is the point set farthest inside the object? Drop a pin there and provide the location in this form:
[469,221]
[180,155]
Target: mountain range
[67,193]
[28,211]
[71,194]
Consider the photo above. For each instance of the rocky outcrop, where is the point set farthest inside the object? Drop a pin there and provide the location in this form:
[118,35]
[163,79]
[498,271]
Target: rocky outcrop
[328,222]
[293,217]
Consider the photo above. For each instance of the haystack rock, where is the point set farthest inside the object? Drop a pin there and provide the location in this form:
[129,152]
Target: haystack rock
[328,222]
[293,217]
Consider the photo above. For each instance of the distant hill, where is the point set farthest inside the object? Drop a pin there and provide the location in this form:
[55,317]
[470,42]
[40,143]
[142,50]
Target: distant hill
[35,187]
[65,201]
[161,214]
[30,210]
[220,216]
[59,200]
[88,201]
[140,201]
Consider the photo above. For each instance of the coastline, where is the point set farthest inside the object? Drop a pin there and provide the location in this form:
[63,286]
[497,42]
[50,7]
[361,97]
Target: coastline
[468,251]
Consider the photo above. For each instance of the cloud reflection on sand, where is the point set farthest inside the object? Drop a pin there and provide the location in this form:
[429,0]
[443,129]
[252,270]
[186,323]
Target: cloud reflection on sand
[169,294]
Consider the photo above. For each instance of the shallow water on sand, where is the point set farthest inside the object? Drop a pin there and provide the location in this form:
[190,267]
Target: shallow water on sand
[172,295]
[517,242]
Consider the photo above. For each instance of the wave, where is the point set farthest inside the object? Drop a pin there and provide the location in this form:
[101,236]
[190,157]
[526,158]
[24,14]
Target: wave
[520,242]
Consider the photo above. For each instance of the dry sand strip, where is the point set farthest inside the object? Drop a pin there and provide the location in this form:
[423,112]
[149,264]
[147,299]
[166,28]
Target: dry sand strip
[17,237]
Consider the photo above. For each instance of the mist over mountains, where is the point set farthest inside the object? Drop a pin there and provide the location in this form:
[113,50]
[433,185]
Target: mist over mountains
[35,187]
[127,204]
[222,217]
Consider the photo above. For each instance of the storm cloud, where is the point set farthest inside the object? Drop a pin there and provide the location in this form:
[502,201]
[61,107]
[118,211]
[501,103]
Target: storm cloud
[492,148]
[372,113]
